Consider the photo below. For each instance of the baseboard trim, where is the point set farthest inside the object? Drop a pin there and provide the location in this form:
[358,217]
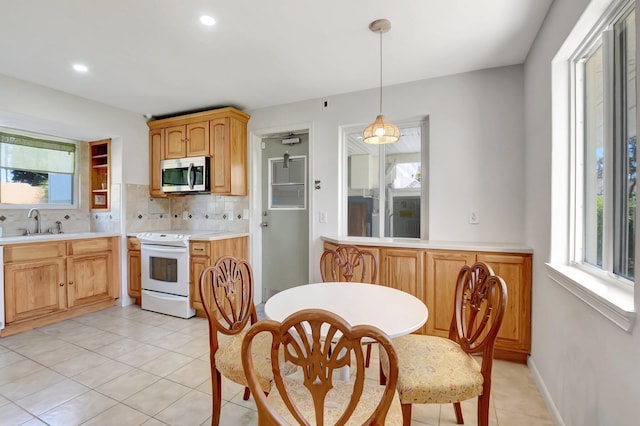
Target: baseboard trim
[544,392]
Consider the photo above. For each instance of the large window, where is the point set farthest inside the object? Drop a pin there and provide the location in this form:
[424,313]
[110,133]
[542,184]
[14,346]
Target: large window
[36,171]
[386,193]
[605,149]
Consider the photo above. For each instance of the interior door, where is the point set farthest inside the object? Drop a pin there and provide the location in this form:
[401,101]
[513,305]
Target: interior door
[285,216]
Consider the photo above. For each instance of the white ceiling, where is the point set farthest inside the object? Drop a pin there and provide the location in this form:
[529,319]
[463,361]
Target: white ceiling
[154,57]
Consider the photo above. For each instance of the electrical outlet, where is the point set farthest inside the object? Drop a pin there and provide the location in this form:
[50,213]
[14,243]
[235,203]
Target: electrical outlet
[323,217]
[474,217]
[185,215]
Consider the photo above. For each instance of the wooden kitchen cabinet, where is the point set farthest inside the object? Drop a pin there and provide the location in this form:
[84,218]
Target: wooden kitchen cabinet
[220,134]
[514,338]
[431,275]
[156,155]
[205,253]
[34,289]
[100,175]
[229,156]
[441,273]
[190,140]
[46,282]
[134,269]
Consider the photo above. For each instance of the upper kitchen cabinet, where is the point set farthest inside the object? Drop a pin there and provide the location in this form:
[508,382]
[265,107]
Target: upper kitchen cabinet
[191,140]
[220,134]
[99,175]
[156,155]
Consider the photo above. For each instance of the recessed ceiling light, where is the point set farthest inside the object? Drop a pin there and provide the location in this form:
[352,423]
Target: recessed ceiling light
[80,68]
[207,20]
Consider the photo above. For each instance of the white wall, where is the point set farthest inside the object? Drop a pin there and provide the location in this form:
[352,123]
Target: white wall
[31,107]
[476,149]
[589,368]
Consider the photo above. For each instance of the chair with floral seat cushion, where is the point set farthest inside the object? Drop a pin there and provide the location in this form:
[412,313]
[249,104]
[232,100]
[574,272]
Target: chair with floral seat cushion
[226,291]
[320,343]
[437,370]
[351,264]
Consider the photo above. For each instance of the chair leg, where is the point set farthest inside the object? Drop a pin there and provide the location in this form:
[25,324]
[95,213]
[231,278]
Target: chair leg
[368,359]
[247,393]
[216,396]
[458,409]
[383,378]
[406,414]
[483,410]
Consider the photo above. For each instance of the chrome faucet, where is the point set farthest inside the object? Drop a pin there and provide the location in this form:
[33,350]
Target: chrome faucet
[38,219]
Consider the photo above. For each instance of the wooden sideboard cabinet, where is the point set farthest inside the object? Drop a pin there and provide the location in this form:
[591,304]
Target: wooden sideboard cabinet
[220,134]
[134,269]
[205,253]
[46,282]
[431,276]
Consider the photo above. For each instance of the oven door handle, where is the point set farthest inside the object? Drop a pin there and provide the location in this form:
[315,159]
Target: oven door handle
[163,249]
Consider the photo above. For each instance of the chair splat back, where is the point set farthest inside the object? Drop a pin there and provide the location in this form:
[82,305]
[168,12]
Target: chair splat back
[231,306]
[349,263]
[306,337]
[480,302]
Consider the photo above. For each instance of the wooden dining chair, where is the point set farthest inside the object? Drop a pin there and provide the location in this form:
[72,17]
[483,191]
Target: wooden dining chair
[348,263]
[315,395]
[226,291]
[351,264]
[437,370]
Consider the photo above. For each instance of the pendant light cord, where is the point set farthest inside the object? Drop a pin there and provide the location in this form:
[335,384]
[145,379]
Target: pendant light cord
[381,71]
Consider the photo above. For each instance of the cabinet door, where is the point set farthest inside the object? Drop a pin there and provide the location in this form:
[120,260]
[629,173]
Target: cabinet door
[34,289]
[197,264]
[220,167]
[402,269]
[198,139]
[156,155]
[134,269]
[89,279]
[174,142]
[515,270]
[441,270]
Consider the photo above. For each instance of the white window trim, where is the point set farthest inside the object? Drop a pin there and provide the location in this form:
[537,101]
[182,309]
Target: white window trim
[608,295]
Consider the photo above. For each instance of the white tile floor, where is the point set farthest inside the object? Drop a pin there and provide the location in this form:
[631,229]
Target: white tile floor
[125,366]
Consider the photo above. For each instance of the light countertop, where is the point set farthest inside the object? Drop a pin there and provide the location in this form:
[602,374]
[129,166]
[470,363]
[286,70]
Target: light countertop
[431,244]
[37,238]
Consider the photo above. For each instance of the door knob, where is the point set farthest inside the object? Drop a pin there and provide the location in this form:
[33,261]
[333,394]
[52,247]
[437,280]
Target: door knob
[264,224]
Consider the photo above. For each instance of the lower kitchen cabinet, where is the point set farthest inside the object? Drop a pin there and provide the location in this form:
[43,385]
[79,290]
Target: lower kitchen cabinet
[47,282]
[205,253]
[134,269]
[431,276]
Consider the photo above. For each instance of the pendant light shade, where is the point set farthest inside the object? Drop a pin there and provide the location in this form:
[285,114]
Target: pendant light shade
[380,131]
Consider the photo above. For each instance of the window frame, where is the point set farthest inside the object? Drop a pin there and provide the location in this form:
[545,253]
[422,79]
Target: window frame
[77,174]
[345,131]
[607,294]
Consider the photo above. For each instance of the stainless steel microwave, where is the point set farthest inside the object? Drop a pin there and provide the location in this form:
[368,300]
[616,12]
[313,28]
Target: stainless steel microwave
[185,175]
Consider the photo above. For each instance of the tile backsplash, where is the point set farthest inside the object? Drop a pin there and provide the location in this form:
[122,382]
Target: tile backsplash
[190,212]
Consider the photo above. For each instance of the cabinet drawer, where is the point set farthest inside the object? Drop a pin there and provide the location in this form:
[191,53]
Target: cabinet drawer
[199,248]
[133,243]
[21,252]
[90,245]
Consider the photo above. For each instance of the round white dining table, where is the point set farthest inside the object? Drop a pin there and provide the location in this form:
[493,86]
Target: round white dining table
[393,311]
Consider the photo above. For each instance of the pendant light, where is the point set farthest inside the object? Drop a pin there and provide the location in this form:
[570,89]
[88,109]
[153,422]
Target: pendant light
[380,132]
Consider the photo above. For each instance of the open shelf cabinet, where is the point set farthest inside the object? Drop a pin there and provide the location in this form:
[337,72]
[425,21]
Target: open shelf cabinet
[100,175]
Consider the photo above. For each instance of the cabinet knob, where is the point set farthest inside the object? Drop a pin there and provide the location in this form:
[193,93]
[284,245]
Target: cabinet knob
[61,284]
[70,282]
